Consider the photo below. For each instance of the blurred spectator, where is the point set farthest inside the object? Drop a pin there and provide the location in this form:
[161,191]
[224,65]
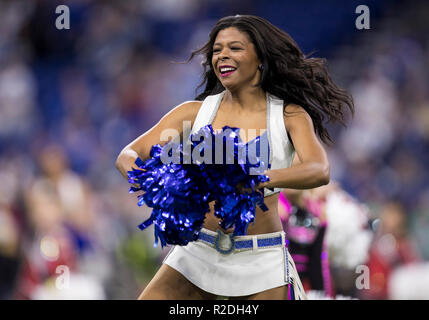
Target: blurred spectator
[9,252]
[304,222]
[391,249]
[329,235]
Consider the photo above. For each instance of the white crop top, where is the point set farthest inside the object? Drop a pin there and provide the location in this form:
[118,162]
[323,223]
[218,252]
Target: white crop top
[281,150]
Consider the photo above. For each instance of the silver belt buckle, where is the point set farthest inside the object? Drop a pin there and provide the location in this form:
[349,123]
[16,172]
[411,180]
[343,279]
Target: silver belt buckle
[231,247]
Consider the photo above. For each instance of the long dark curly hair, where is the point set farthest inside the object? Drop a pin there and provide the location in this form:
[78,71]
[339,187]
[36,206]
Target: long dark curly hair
[287,73]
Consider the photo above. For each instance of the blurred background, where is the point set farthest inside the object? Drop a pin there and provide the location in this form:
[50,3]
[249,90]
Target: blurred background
[70,100]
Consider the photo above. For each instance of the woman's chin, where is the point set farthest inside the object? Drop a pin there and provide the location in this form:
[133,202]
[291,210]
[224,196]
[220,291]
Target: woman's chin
[229,85]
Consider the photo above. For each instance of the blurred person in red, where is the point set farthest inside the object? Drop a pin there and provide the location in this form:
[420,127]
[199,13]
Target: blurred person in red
[59,219]
[391,248]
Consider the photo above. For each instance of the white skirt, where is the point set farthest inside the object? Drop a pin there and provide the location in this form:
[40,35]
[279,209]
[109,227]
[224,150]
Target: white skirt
[239,272]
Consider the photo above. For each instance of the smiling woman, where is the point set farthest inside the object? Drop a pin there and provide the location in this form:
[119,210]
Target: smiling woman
[256,78]
[234,54]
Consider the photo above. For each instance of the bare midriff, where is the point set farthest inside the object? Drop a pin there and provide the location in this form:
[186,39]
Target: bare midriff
[265,221]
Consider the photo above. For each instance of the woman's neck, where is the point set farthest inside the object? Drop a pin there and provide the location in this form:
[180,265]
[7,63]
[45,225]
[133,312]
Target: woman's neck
[250,99]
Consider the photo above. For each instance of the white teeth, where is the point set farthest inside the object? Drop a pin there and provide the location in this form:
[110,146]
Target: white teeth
[226,69]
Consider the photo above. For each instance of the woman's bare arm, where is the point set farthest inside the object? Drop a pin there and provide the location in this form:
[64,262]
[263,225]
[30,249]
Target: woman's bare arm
[164,131]
[312,169]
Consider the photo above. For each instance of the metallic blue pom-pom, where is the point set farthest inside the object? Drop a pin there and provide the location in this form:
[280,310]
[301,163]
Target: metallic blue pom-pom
[180,192]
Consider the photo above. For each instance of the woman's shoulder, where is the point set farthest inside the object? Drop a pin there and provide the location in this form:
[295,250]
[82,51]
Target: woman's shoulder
[295,113]
[174,119]
[186,110]
[292,108]
[192,103]
[190,106]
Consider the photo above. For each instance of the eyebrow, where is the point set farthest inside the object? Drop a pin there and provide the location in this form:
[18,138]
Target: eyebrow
[217,43]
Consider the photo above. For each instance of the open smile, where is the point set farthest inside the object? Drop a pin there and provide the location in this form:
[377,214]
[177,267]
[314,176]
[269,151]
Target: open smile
[226,71]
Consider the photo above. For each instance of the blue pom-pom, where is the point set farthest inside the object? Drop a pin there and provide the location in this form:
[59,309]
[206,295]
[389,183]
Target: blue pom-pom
[237,210]
[180,193]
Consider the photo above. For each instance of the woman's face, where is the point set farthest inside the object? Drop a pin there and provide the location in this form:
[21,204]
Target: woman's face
[234,60]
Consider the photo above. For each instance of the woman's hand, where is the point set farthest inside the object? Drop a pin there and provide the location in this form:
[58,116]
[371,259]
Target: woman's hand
[241,189]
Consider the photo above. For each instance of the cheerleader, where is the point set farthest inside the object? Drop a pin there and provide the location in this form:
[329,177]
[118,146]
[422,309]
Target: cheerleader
[257,79]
